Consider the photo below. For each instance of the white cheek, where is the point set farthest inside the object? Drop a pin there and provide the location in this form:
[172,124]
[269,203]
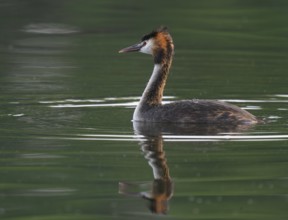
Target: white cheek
[147,48]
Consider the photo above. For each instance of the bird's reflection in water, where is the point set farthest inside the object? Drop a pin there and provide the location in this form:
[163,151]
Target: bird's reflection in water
[160,190]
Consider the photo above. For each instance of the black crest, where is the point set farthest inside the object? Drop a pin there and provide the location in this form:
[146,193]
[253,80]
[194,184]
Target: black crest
[154,33]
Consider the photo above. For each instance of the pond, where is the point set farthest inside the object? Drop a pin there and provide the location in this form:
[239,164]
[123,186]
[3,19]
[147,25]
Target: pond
[68,147]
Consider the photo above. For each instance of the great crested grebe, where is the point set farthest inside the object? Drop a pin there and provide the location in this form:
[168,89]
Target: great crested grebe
[159,44]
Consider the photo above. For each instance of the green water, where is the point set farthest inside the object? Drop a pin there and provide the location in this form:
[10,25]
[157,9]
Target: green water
[68,149]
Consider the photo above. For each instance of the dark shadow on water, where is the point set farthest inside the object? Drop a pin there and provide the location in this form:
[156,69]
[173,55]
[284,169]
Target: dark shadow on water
[158,129]
[159,191]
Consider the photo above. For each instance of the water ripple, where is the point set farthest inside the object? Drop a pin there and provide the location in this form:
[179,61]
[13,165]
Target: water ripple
[105,102]
[132,102]
[50,28]
[176,138]
[48,192]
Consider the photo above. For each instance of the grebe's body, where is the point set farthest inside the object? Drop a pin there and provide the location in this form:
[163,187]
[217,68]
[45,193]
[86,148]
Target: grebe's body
[150,108]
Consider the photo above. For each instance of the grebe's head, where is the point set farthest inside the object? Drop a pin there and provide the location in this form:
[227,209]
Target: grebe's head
[158,43]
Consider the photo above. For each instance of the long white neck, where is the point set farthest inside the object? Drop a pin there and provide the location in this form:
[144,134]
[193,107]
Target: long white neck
[152,85]
[153,93]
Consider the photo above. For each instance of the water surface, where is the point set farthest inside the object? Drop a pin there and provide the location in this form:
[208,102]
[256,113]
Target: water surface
[68,148]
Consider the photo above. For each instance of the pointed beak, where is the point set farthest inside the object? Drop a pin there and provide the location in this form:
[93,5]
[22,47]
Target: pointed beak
[133,48]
